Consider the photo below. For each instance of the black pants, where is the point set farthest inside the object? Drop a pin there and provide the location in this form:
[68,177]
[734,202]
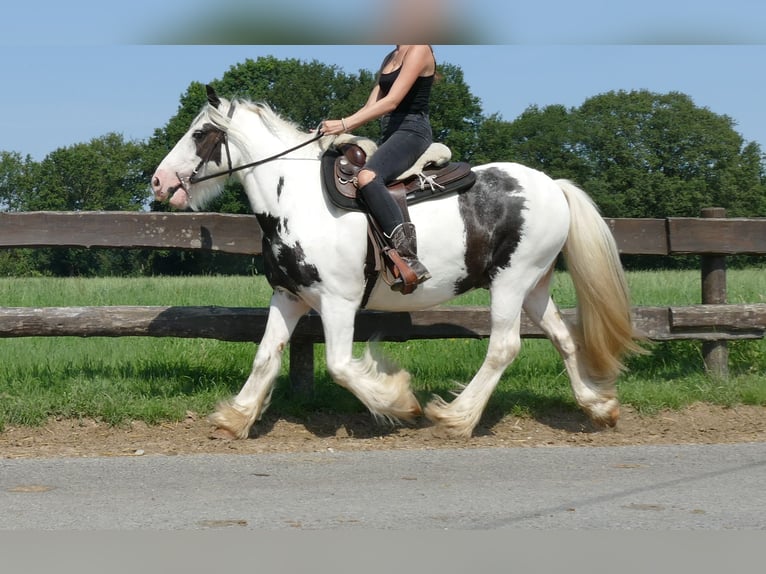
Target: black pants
[405,139]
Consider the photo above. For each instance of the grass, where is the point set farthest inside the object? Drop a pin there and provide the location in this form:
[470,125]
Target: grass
[154,380]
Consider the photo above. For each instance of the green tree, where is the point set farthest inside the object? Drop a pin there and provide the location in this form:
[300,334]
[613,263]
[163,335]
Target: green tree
[104,174]
[304,92]
[455,113]
[538,138]
[16,175]
[638,154]
[659,155]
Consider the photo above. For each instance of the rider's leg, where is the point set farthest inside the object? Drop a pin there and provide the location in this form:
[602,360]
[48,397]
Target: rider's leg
[386,212]
[402,146]
[383,207]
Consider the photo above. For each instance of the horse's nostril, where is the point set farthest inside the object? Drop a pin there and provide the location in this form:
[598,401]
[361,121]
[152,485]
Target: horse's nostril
[155,182]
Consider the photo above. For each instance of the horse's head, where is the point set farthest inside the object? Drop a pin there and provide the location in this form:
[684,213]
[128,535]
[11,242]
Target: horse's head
[202,149]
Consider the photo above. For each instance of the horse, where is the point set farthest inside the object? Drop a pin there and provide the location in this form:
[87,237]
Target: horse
[504,234]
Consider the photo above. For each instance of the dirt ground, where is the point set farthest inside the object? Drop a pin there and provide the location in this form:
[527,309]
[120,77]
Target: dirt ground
[700,424]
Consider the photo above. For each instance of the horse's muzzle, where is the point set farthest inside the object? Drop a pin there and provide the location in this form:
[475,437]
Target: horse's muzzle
[170,187]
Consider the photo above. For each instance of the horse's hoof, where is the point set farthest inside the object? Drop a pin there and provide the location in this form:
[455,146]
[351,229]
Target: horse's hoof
[606,416]
[220,433]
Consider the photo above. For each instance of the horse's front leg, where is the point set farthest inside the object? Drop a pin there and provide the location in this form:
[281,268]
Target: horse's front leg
[380,385]
[234,418]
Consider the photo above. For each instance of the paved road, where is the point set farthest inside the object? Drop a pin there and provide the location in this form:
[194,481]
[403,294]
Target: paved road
[660,487]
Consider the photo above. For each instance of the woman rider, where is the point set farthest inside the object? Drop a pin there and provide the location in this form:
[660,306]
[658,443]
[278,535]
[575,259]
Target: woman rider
[400,98]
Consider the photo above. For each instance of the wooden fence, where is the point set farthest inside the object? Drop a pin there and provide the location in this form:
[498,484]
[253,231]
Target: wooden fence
[713,321]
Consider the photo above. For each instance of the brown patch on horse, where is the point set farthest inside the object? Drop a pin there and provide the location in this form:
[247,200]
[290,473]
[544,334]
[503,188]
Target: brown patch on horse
[207,142]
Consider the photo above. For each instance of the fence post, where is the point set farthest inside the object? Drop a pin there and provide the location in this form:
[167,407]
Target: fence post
[302,365]
[714,353]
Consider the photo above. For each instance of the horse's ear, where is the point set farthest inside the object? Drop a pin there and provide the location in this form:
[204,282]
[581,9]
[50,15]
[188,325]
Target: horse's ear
[212,97]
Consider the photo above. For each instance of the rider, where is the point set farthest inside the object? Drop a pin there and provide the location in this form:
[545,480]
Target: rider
[400,98]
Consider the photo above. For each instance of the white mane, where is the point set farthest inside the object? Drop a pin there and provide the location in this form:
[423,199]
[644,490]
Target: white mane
[278,126]
[285,130]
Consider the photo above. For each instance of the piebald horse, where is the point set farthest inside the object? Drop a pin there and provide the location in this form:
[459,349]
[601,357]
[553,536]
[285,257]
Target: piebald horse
[504,235]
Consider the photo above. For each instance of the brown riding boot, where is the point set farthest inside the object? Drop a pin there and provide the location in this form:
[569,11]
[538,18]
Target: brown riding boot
[404,240]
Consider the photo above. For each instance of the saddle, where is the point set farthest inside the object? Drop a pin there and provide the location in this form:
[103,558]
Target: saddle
[433,175]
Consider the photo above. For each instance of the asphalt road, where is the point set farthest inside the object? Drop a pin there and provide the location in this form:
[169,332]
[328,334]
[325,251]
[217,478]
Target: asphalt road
[644,487]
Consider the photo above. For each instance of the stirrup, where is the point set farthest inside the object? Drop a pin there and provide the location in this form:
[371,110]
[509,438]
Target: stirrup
[411,273]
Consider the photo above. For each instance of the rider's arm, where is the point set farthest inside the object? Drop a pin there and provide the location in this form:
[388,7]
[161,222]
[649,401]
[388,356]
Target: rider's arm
[417,61]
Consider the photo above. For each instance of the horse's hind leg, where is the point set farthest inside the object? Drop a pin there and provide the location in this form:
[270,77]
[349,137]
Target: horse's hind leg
[234,418]
[597,399]
[460,417]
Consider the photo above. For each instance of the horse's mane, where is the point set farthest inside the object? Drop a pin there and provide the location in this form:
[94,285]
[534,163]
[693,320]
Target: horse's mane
[282,128]
[275,123]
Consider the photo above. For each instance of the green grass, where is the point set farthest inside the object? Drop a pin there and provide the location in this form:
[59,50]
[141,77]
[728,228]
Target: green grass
[153,379]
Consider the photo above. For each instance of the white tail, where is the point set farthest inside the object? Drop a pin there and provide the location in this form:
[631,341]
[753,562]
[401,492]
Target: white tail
[604,328]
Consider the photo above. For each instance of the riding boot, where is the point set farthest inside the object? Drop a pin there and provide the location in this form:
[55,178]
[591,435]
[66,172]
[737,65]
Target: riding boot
[401,234]
[404,240]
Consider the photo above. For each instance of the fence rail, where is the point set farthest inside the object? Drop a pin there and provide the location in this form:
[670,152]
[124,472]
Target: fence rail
[708,235]
[240,324]
[711,236]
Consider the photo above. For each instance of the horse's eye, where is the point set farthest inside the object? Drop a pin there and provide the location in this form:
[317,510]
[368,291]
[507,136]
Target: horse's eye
[197,135]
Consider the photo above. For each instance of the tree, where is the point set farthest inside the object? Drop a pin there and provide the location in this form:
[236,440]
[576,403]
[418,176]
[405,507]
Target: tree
[304,92]
[16,175]
[640,154]
[745,174]
[104,174]
[667,157]
[455,113]
[538,138]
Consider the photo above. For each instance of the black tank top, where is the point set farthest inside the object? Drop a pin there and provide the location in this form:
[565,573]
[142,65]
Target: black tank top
[416,100]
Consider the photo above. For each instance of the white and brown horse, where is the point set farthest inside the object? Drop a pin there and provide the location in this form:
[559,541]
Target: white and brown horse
[504,234]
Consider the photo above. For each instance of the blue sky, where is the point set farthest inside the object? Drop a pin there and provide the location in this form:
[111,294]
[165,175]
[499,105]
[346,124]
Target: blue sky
[78,70]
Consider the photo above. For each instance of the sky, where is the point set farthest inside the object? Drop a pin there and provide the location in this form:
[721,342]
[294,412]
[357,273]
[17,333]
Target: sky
[74,71]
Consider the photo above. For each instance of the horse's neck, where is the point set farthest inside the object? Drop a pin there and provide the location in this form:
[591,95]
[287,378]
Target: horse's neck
[269,186]
[285,187]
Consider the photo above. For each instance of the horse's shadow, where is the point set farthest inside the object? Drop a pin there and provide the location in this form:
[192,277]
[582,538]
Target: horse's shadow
[328,425]
[553,413]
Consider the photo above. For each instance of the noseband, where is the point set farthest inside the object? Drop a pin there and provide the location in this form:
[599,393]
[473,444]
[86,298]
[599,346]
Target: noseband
[222,138]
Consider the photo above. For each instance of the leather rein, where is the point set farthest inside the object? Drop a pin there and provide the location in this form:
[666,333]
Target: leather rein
[195,178]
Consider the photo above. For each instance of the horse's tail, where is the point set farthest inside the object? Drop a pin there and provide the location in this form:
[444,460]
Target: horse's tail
[604,326]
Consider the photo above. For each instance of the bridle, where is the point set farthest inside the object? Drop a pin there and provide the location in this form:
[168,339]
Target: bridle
[222,138]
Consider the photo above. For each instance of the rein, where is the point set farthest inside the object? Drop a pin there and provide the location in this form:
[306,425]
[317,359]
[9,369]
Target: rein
[194,178]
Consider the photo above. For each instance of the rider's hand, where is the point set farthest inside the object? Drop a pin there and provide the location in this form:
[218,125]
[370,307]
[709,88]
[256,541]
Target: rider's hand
[333,127]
